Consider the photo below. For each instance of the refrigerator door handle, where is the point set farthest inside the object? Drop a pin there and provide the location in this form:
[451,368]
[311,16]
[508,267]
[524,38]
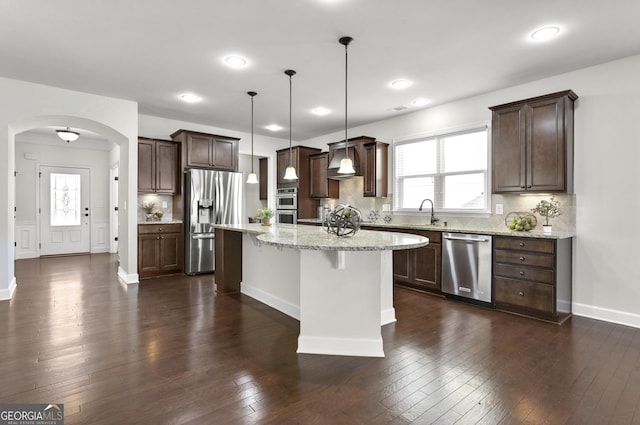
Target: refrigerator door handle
[204,236]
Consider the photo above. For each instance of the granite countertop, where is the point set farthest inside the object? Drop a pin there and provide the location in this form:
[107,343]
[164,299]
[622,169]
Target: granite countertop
[161,222]
[316,238]
[479,230]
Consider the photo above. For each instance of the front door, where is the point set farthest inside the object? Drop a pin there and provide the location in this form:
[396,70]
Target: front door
[64,210]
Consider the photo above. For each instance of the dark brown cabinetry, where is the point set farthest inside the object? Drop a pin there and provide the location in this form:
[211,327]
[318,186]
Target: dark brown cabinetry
[263,178]
[307,206]
[533,144]
[160,249]
[533,276]
[417,268]
[202,150]
[321,186]
[157,166]
[369,160]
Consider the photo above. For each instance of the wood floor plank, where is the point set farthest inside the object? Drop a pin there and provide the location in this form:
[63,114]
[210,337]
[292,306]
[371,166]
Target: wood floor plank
[173,351]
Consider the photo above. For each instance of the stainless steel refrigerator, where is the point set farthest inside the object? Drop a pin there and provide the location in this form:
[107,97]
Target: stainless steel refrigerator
[211,197]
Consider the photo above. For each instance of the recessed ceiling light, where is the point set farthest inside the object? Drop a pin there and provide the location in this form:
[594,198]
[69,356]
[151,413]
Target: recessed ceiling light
[273,127]
[420,102]
[400,84]
[545,33]
[190,97]
[236,62]
[321,111]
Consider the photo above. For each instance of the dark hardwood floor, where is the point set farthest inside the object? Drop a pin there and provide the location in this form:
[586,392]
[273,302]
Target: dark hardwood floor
[172,351]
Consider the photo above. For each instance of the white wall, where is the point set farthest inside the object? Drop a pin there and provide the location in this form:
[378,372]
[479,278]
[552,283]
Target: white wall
[96,161]
[607,149]
[24,106]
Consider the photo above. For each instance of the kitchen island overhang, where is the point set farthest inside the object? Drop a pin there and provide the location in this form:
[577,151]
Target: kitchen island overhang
[340,289]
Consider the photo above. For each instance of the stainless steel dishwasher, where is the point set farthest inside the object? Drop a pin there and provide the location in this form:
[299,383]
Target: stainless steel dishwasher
[466,265]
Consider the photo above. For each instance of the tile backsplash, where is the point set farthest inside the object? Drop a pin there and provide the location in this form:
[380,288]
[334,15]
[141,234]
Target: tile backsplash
[159,201]
[351,193]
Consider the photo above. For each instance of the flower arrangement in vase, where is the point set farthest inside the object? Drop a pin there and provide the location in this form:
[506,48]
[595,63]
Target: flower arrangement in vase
[547,209]
[148,208]
[265,214]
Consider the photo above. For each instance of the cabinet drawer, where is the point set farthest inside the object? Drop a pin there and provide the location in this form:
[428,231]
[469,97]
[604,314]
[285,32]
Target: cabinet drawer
[525,273]
[525,244]
[159,228]
[529,295]
[524,258]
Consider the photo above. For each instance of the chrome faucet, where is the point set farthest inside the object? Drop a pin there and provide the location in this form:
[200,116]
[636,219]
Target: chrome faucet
[433,220]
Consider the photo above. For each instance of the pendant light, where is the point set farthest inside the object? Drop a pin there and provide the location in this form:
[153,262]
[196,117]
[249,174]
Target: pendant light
[346,164]
[68,135]
[290,173]
[252,178]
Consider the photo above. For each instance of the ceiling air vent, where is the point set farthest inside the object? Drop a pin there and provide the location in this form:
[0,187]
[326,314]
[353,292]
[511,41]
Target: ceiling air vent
[400,108]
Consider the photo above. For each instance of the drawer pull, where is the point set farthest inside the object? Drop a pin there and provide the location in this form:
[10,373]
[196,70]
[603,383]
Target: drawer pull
[158,237]
[521,293]
[521,273]
[521,258]
[521,244]
[160,229]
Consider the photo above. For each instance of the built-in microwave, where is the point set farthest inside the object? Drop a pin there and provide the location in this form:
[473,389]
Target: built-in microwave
[287,199]
[287,216]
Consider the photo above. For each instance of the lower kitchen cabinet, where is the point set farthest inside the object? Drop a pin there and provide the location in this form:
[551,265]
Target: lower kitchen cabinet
[418,268]
[160,249]
[532,276]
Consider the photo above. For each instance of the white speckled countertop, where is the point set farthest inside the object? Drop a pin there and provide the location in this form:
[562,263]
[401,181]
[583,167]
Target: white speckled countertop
[316,238]
[484,231]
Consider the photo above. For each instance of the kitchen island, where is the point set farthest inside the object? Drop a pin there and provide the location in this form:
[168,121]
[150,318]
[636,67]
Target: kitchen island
[341,289]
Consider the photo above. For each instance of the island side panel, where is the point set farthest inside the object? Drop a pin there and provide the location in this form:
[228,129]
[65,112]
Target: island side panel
[271,275]
[228,261]
[340,302]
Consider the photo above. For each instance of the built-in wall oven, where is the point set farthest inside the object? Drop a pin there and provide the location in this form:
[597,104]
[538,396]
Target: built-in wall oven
[287,205]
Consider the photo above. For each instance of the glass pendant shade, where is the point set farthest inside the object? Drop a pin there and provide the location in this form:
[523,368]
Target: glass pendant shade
[290,173]
[346,166]
[252,178]
[68,135]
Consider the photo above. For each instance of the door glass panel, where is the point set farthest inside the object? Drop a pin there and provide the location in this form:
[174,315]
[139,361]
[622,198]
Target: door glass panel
[65,199]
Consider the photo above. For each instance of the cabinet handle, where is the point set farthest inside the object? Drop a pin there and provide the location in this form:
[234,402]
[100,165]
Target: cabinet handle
[521,244]
[160,229]
[521,258]
[521,187]
[161,237]
[521,273]
[158,238]
[521,293]
[529,187]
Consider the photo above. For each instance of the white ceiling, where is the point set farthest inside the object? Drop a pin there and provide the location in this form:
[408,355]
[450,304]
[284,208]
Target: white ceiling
[150,51]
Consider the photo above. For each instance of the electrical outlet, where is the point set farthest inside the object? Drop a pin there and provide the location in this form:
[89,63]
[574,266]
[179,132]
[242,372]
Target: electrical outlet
[499,209]
[164,204]
[386,207]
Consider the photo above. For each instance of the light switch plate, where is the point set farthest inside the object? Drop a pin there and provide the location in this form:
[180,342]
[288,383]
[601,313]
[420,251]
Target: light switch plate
[499,209]
[164,204]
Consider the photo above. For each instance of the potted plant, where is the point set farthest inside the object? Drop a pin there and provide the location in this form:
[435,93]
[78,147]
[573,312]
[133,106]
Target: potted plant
[265,214]
[148,207]
[547,209]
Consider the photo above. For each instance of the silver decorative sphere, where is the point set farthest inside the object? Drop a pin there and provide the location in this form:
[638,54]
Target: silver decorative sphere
[343,221]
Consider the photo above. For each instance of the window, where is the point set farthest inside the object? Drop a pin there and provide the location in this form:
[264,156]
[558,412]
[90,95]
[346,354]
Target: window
[65,199]
[450,169]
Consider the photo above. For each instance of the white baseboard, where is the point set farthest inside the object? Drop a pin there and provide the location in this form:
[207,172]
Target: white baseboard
[388,316]
[22,255]
[279,304]
[608,315]
[340,346]
[7,294]
[127,278]
[100,249]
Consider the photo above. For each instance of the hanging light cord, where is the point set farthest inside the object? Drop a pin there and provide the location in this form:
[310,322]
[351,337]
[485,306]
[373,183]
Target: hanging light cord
[290,128]
[346,73]
[252,159]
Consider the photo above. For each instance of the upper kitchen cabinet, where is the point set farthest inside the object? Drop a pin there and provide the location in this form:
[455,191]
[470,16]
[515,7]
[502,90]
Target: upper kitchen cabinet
[369,160]
[263,173]
[157,166]
[202,150]
[533,144]
[300,161]
[321,186]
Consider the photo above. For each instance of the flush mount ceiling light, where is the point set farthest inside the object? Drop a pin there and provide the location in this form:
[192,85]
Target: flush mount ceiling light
[236,62]
[290,172]
[273,127]
[252,178]
[321,111]
[346,164]
[190,98]
[68,135]
[400,84]
[545,33]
